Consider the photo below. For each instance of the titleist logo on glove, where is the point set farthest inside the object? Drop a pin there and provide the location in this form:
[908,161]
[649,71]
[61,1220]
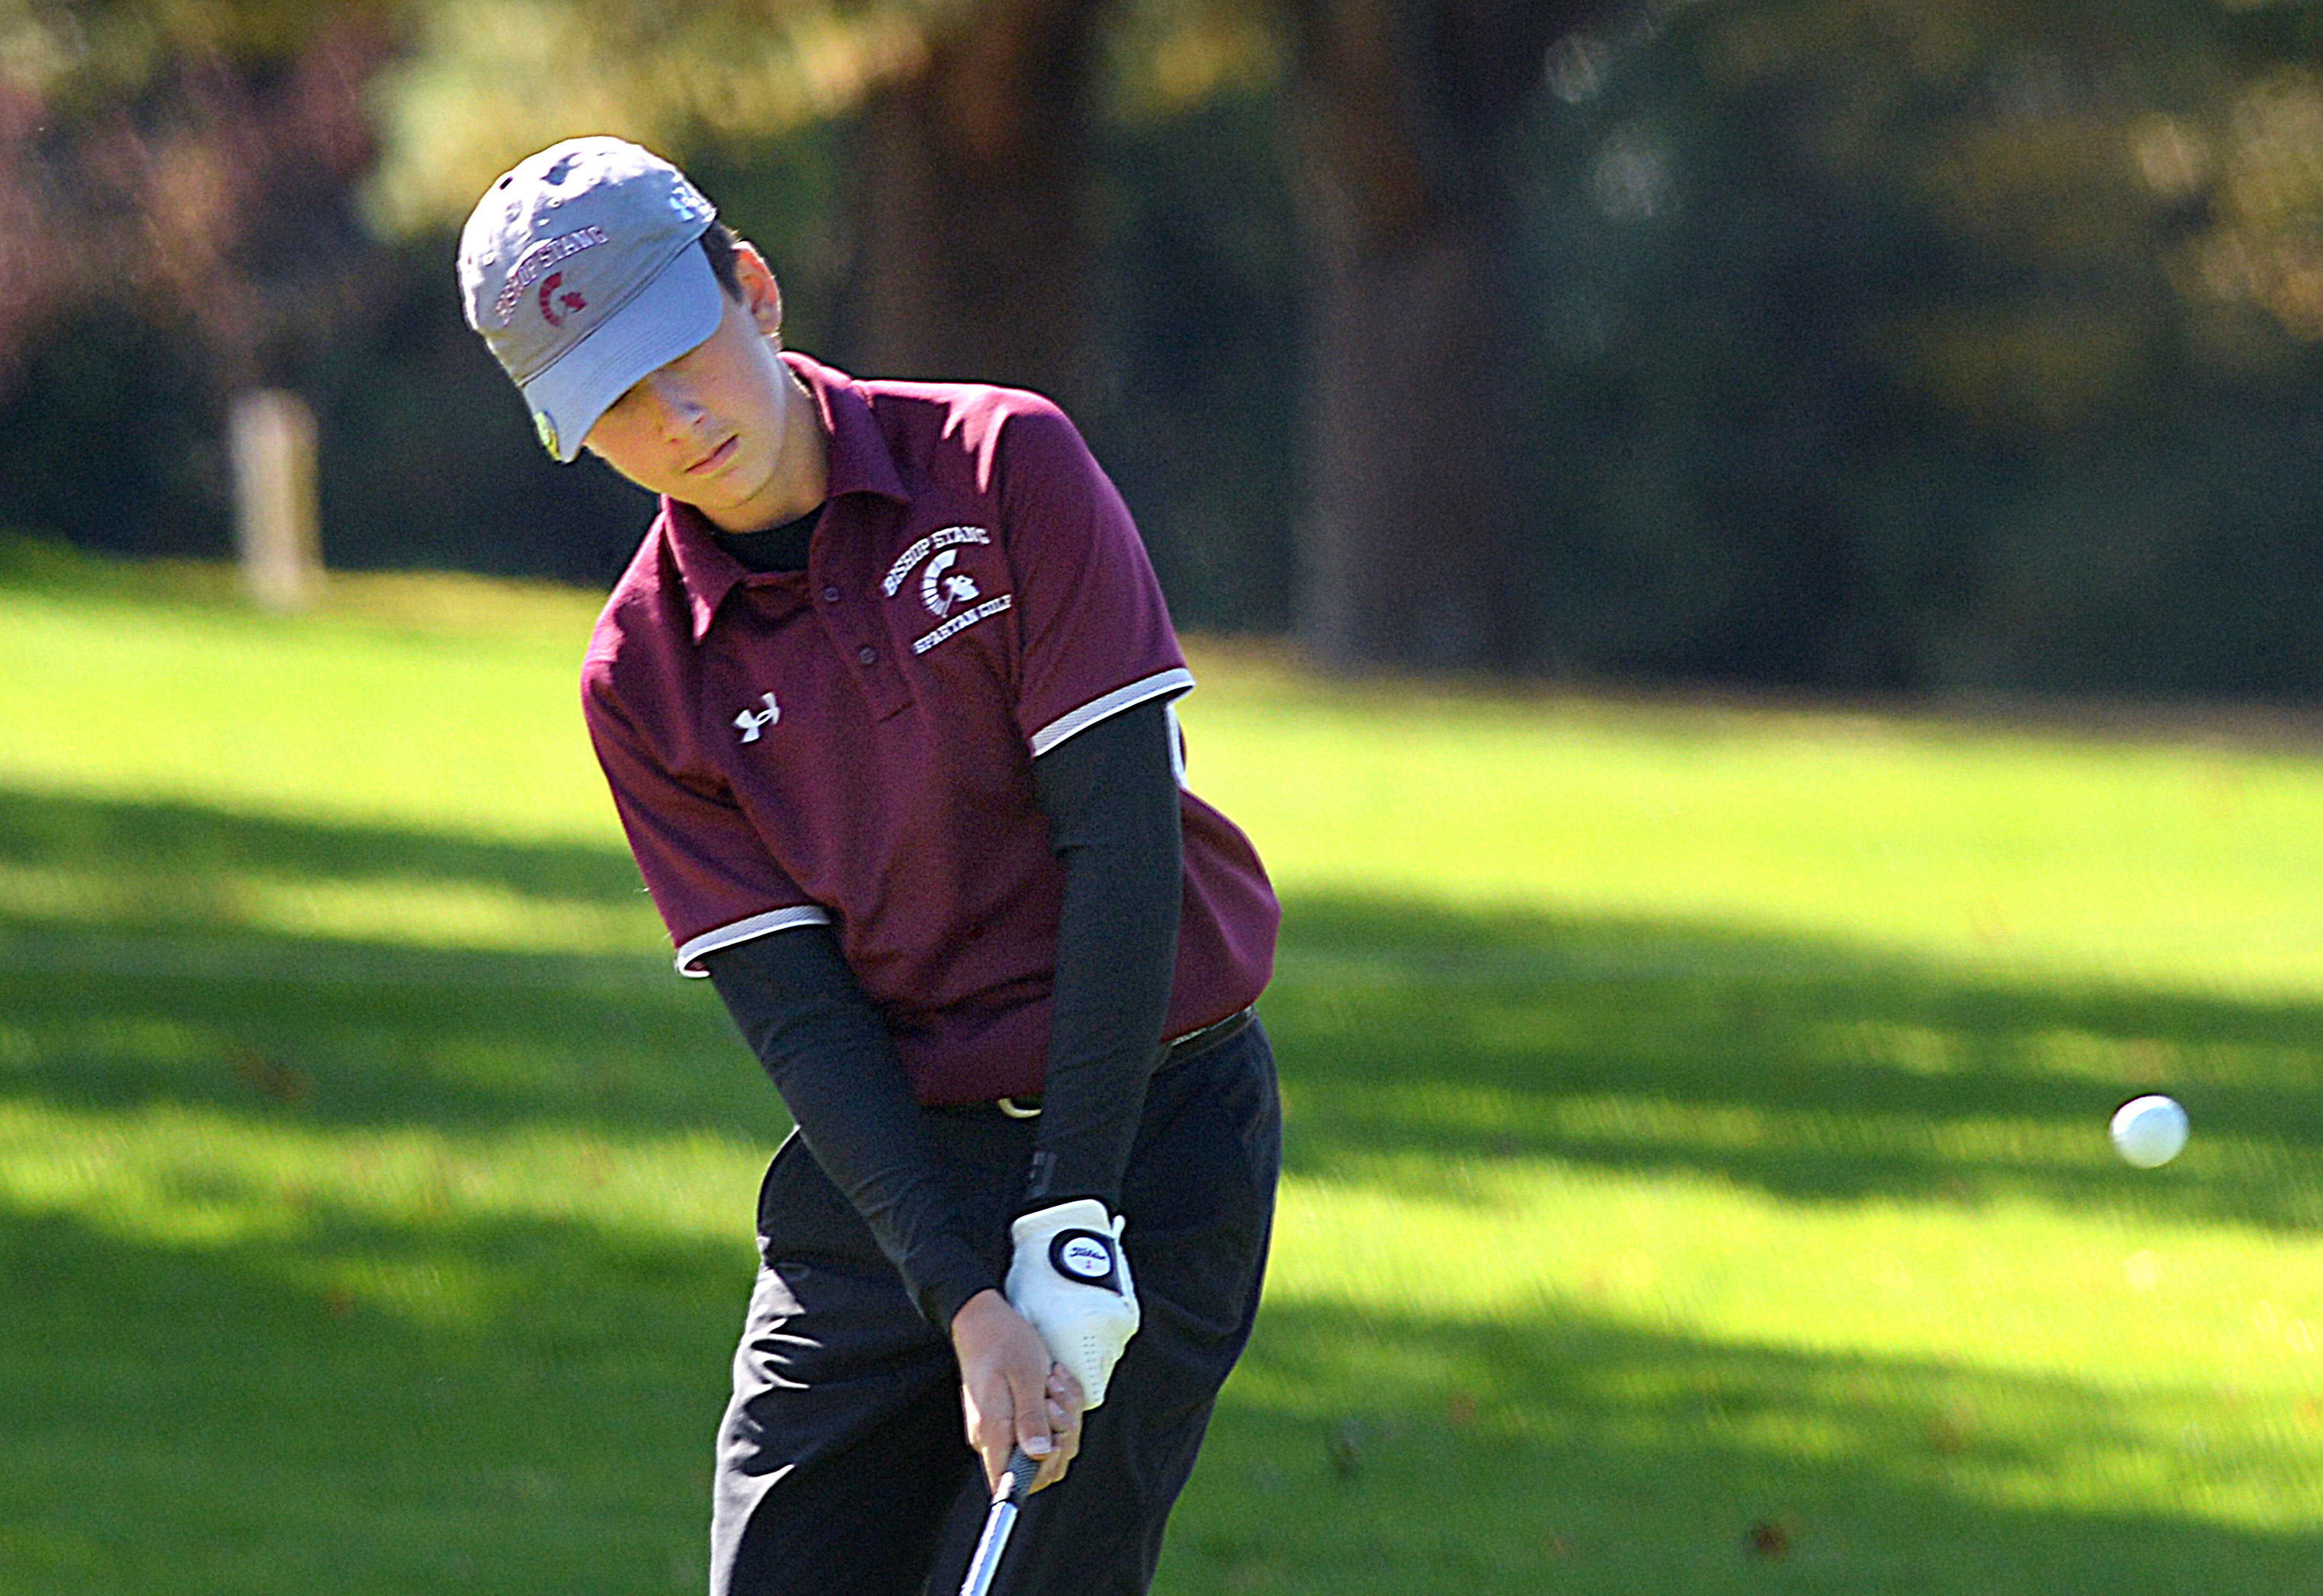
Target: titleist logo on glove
[1070,1279]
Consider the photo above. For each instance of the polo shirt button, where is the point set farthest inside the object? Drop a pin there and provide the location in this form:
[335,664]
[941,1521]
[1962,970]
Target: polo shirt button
[866,654]
[830,595]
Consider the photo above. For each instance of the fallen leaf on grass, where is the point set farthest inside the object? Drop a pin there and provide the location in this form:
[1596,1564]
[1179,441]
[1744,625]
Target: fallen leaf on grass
[272,1079]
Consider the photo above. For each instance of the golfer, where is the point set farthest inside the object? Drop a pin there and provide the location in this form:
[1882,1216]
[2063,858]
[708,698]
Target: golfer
[885,702]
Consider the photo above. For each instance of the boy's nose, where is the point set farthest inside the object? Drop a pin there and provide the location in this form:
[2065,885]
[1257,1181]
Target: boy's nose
[678,410]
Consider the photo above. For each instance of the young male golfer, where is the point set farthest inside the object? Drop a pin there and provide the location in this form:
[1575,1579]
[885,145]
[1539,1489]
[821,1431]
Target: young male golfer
[884,701]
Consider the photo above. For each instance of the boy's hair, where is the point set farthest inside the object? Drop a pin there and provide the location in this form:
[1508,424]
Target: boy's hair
[718,243]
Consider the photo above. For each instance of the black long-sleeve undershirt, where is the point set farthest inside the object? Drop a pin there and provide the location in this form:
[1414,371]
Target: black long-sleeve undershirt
[1110,796]
[824,1046]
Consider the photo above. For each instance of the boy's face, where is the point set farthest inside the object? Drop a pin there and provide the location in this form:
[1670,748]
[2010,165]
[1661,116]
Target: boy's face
[714,428]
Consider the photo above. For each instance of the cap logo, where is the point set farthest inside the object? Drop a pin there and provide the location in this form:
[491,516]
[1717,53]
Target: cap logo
[550,299]
[539,259]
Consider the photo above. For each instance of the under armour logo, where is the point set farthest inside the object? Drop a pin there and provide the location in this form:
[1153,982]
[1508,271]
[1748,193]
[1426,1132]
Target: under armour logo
[751,722]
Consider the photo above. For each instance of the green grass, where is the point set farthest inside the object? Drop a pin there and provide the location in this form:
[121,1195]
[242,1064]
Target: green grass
[1696,1173]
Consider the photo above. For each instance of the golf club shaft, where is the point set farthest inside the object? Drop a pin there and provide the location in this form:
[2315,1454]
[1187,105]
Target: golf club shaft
[998,1522]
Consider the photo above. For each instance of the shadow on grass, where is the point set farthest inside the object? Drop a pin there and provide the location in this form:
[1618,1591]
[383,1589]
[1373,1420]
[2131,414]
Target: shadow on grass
[526,1407]
[1804,1068]
[171,847]
[196,1420]
[1370,1452]
[1809,1069]
[141,987]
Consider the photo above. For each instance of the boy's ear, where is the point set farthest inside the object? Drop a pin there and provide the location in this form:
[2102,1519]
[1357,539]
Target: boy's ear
[762,296]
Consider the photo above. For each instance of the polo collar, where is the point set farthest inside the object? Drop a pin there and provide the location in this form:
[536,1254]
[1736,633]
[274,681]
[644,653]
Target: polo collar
[860,462]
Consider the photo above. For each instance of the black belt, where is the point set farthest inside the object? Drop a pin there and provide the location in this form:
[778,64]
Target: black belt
[1175,1053]
[1183,1048]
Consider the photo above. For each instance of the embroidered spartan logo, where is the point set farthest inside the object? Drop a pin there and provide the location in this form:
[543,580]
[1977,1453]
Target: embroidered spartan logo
[951,539]
[750,723]
[939,592]
[950,595]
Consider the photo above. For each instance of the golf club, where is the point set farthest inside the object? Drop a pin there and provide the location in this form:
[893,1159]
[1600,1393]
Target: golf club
[998,1522]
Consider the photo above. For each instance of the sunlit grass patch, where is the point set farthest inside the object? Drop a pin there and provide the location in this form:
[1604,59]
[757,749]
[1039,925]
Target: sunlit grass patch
[407,911]
[174,1175]
[353,712]
[2175,863]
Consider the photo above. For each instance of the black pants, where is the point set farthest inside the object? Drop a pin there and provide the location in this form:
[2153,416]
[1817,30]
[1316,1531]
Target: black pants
[842,1466]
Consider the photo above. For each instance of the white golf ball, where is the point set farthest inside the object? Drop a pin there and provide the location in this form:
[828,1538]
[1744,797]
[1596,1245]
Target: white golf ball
[2149,1130]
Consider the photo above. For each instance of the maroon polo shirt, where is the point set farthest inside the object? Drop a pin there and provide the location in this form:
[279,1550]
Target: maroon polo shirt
[852,745]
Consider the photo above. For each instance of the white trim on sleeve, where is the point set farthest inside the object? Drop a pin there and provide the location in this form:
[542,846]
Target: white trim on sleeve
[1170,681]
[743,930]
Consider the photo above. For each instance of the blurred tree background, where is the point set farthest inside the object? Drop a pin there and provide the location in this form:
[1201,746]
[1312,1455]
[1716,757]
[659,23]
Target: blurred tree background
[1851,345]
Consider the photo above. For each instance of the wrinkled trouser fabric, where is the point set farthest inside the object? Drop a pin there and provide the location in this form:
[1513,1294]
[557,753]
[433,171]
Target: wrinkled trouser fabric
[842,1468]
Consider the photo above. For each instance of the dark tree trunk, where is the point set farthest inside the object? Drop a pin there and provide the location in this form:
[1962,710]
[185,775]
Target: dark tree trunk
[1412,518]
[971,250]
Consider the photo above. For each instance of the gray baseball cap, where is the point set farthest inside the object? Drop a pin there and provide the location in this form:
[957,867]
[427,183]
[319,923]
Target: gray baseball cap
[579,269]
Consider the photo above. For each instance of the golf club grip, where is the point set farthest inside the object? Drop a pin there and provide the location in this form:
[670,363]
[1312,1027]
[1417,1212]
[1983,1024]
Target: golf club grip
[998,1522]
[1018,1479]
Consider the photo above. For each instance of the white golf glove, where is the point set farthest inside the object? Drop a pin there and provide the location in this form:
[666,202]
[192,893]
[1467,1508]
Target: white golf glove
[1070,1279]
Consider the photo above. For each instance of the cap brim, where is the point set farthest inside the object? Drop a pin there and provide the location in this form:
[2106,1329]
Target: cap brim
[671,315]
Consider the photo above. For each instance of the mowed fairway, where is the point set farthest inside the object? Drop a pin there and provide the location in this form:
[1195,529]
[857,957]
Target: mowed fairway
[1696,1166]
